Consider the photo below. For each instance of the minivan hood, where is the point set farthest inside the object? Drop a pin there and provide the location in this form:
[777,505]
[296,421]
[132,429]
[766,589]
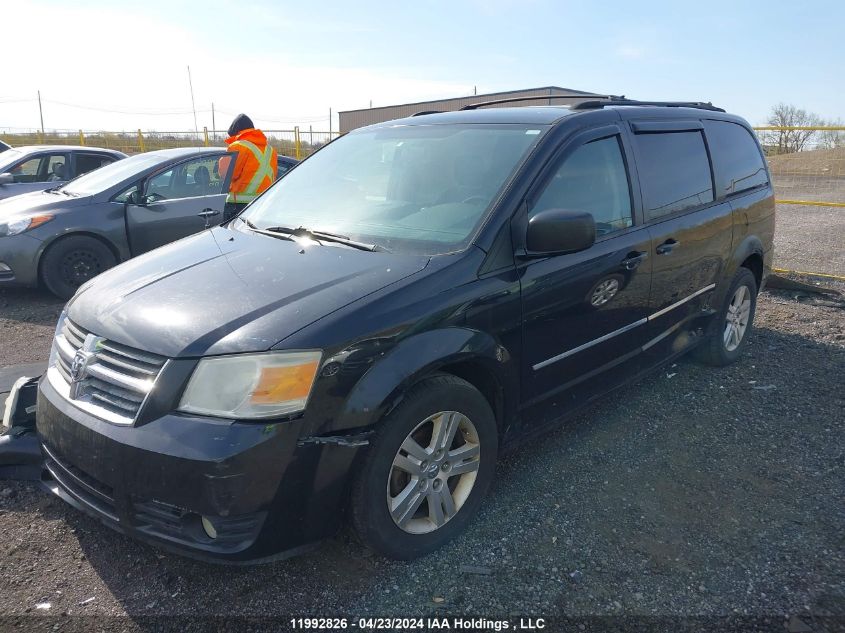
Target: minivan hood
[224,291]
[36,202]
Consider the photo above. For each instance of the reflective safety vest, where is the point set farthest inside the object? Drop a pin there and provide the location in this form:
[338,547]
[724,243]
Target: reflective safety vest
[255,166]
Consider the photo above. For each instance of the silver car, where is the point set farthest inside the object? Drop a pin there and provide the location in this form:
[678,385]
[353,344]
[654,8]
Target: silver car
[39,167]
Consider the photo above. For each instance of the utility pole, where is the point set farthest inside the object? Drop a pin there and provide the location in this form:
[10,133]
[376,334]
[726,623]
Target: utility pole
[213,124]
[194,107]
[41,114]
[330,124]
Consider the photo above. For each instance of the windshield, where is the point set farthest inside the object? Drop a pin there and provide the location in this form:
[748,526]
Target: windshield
[412,189]
[101,179]
[8,157]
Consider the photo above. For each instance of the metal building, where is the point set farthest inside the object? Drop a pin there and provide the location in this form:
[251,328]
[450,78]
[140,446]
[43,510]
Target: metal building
[351,119]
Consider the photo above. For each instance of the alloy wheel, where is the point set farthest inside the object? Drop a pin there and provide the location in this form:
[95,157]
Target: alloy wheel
[434,472]
[736,319]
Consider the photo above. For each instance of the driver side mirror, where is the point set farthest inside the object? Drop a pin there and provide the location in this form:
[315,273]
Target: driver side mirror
[6,179]
[559,231]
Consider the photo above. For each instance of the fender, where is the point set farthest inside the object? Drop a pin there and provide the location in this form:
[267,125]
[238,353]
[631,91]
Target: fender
[751,245]
[384,385]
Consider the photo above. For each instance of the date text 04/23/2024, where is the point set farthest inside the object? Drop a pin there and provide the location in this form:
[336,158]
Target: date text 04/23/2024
[420,624]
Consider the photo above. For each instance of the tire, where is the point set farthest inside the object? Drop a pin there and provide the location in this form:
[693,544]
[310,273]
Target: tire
[377,507]
[721,347]
[73,260]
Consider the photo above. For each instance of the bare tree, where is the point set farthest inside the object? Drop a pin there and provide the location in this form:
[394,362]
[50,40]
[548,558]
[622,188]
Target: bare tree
[785,141]
[832,139]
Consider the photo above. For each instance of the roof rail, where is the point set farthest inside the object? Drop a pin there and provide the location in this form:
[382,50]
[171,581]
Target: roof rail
[481,104]
[424,112]
[596,104]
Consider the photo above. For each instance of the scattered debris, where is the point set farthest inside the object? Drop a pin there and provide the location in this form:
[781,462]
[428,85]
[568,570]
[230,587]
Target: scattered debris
[43,606]
[87,601]
[438,599]
[672,375]
[576,576]
[764,387]
[475,569]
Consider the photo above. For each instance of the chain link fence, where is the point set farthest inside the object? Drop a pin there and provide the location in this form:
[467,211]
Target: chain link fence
[297,143]
[807,163]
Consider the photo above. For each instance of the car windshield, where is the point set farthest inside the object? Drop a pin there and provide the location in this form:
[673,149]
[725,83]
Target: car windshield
[101,179]
[421,189]
[8,157]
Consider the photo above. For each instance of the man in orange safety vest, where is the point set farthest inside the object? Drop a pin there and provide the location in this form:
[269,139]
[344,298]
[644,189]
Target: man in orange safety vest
[255,164]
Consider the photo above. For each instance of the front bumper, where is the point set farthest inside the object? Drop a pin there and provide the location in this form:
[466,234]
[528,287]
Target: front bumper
[265,494]
[19,260]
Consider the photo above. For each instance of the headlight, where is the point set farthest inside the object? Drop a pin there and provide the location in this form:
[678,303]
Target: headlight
[59,327]
[251,385]
[14,226]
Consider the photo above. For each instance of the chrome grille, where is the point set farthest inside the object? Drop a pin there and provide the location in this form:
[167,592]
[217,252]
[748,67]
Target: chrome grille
[114,379]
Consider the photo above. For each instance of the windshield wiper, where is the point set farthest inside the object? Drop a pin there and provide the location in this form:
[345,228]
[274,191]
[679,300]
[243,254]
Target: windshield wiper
[324,236]
[318,236]
[279,234]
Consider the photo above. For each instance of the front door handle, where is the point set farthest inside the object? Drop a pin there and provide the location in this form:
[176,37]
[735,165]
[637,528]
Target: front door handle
[634,259]
[207,214]
[667,247]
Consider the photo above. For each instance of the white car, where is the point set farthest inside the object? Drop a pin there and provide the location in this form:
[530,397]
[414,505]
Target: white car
[40,167]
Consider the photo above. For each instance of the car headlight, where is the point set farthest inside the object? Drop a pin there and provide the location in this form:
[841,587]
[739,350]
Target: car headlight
[54,353]
[263,385]
[13,226]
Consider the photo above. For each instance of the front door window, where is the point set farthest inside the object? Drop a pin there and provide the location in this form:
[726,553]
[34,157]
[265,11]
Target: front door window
[190,179]
[592,179]
[42,168]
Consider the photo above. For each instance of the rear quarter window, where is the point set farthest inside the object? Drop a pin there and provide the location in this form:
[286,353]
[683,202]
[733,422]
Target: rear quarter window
[674,171]
[90,162]
[737,162]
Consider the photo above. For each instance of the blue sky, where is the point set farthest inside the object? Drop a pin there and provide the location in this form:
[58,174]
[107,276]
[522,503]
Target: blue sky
[288,63]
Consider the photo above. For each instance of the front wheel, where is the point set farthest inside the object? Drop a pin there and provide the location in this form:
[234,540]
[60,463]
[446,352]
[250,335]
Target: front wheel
[729,333]
[72,261]
[427,469]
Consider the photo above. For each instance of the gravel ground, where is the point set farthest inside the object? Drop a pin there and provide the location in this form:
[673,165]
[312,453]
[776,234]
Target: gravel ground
[695,491]
[810,239]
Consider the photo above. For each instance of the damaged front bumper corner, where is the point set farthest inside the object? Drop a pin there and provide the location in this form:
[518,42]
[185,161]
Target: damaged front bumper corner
[20,451]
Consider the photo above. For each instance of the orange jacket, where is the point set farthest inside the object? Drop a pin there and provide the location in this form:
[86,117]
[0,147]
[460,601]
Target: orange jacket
[255,165]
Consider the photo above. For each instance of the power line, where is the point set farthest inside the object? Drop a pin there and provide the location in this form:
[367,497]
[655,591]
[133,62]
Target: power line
[272,119]
[150,112]
[163,111]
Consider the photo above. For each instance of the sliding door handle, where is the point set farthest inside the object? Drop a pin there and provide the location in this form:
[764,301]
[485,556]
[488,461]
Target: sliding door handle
[667,247]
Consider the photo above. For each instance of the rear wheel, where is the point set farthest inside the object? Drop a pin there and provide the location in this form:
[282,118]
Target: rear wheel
[427,469]
[729,332]
[72,261]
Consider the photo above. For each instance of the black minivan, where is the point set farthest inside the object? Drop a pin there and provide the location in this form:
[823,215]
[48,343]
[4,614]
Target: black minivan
[363,341]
